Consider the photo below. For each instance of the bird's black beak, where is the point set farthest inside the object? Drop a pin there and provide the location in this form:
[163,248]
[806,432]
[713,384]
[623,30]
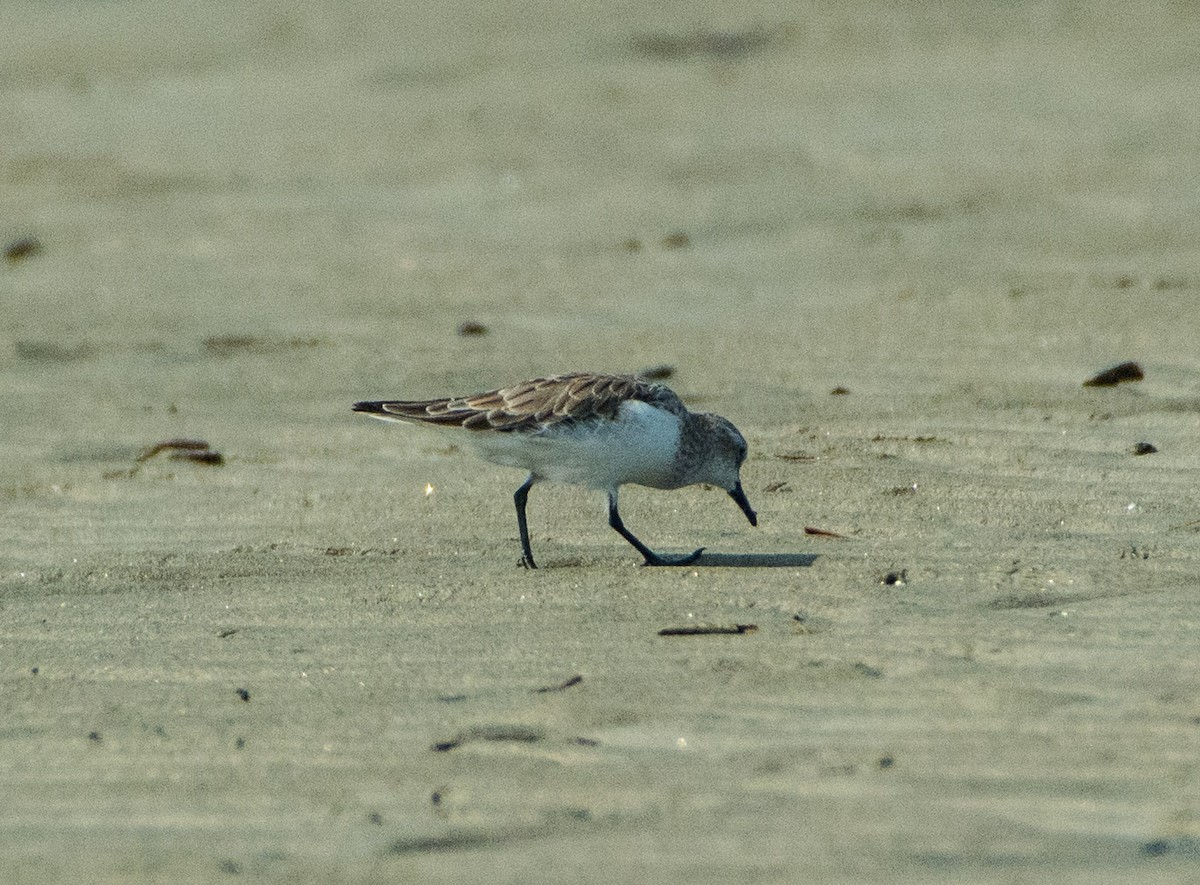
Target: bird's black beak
[738,495]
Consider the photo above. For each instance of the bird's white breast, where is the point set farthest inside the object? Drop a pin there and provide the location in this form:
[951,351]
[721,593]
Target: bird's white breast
[639,447]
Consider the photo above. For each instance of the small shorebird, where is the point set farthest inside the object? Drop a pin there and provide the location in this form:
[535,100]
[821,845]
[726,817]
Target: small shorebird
[598,431]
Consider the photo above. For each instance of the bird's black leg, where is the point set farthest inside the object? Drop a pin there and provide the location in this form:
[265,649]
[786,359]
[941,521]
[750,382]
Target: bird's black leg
[519,498]
[652,558]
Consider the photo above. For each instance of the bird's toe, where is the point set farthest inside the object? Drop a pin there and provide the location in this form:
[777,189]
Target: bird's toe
[686,559]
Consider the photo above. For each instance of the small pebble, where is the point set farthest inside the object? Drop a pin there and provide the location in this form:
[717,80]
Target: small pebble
[1145,448]
[1118,374]
[25,247]
[471,329]
[660,372]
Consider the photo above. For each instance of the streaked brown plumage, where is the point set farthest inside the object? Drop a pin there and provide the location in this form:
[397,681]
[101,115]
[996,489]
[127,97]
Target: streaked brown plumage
[537,404]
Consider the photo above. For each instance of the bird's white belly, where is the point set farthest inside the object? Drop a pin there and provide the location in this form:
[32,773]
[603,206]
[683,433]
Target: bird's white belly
[639,447]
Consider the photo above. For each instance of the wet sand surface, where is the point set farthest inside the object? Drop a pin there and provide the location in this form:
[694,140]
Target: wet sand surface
[317,660]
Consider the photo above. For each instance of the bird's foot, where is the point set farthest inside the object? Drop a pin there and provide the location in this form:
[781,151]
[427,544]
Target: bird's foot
[686,559]
[527,562]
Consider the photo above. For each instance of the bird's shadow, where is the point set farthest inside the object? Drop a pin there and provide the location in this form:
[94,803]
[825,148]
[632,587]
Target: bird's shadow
[756,560]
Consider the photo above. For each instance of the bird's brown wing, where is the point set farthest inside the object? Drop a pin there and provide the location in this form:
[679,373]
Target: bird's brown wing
[542,402]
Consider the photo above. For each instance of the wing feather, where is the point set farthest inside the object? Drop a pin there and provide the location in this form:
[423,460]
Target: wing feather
[532,405]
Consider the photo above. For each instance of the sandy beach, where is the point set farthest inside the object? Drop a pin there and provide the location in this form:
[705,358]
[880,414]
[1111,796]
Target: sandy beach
[889,242]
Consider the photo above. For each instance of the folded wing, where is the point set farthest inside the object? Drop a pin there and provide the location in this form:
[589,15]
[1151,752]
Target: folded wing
[531,405]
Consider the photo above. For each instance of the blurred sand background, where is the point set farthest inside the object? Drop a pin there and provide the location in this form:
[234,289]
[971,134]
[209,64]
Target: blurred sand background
[297,666]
